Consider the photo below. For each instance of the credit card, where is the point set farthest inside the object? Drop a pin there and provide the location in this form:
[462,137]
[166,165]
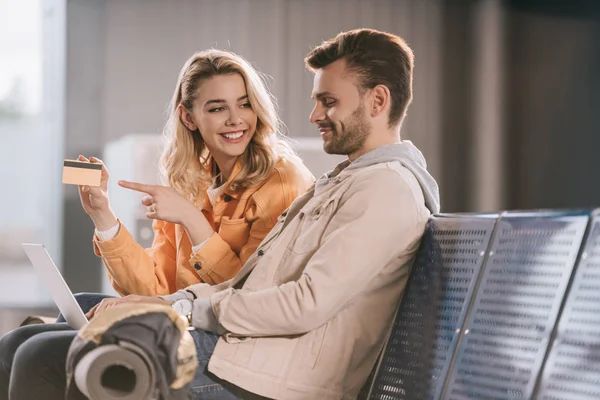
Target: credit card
[81,173]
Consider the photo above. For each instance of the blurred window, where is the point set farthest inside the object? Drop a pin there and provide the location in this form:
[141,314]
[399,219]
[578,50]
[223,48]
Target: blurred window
[32,60]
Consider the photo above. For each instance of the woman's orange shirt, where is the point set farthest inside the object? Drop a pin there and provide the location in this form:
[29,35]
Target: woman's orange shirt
[240,221]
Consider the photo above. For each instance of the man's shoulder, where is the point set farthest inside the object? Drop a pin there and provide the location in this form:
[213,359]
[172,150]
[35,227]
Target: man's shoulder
[387,183]
[387,173]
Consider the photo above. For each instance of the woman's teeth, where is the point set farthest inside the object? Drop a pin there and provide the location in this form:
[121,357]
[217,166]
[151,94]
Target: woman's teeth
[233,136]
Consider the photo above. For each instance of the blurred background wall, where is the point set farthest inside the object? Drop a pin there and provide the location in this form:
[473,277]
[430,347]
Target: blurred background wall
[505,105]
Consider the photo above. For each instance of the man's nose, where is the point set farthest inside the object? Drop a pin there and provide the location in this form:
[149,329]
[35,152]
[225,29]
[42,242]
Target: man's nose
[317,115]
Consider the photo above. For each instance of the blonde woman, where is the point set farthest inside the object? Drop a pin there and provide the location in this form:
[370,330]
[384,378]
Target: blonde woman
[229,175]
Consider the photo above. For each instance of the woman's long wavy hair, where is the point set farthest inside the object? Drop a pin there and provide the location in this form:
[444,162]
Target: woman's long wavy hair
[186,163]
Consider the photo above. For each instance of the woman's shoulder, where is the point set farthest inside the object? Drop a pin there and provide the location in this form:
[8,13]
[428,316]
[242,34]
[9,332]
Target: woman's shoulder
[289,178]
[290,170]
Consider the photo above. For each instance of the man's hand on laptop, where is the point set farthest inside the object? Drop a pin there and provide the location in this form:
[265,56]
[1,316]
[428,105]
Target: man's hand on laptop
[132,298]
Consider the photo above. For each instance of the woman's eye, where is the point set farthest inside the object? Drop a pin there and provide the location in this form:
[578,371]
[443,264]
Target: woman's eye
[216,109]
[246,105]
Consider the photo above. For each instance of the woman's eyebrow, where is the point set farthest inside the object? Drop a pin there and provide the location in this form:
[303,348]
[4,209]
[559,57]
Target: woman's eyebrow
[244,97]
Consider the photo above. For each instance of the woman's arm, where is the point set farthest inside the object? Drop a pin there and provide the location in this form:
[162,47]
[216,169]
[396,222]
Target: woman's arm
[135,270]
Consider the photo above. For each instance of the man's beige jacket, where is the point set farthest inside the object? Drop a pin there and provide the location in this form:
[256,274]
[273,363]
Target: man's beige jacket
[308,313]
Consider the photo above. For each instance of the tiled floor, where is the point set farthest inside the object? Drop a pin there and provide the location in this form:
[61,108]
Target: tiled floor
[11,318]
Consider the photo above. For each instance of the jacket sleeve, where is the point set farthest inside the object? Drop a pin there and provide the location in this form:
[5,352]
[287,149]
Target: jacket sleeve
[359,241]
[218,262]
[135,270]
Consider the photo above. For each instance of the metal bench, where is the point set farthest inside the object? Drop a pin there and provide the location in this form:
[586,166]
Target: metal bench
[498,307]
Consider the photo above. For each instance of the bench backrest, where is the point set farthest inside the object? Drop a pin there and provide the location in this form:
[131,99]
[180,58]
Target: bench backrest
[481,307]
[572,370]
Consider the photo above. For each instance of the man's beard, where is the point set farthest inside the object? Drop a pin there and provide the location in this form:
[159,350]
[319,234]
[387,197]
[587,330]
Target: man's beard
[351,134]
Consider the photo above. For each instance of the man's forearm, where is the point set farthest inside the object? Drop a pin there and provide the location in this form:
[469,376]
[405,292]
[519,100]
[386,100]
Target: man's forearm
[203,317]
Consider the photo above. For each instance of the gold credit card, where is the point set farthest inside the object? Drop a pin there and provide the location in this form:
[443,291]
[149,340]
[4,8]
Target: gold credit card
[81,173]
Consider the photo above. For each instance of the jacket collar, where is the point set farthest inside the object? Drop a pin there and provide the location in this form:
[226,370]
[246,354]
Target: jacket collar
[237,168]
[334,175]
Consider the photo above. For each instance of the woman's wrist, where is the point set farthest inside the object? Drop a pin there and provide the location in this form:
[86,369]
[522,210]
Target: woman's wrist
[105,220]
[197,227]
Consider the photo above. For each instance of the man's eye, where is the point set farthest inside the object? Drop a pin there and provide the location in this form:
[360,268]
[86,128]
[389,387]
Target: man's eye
[328,102]
[216,109]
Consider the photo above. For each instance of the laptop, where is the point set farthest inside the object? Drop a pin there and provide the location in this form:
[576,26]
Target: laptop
[50,275]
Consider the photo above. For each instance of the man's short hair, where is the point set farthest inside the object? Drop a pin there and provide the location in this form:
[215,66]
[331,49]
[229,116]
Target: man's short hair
[376,58]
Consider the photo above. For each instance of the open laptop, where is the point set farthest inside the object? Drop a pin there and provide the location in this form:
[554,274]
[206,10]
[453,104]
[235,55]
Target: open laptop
[50,275]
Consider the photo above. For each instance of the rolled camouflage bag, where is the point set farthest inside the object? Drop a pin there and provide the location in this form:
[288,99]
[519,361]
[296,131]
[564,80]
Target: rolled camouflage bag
[132,352]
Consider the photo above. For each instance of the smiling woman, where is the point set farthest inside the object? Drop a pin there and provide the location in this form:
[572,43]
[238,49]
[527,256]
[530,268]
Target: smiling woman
[224,117]
[229,174]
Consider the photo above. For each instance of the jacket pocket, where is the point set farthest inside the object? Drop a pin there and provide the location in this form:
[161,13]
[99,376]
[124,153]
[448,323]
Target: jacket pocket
[235,232]
[237,350]
[315,345]
[313,223]
[272,233]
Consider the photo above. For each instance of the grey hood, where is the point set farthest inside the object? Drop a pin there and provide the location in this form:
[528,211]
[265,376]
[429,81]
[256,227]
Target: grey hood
[410,157]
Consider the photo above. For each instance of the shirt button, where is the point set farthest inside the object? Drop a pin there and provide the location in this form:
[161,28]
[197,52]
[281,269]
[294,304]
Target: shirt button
[198,265]
[261,253]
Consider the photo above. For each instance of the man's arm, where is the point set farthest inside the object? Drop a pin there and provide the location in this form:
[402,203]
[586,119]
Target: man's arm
[197,291]
[377,220]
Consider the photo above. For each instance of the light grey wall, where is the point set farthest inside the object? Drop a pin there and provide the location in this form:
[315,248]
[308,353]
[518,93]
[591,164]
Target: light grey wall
[83,132]
[147,42]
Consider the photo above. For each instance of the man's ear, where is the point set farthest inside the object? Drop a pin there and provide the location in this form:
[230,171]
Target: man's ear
[380,100]
[185,116]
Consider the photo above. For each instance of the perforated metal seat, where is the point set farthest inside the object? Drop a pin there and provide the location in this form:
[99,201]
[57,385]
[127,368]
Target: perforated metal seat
[516,304]
[481,307]
[425,331]
[572,371]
